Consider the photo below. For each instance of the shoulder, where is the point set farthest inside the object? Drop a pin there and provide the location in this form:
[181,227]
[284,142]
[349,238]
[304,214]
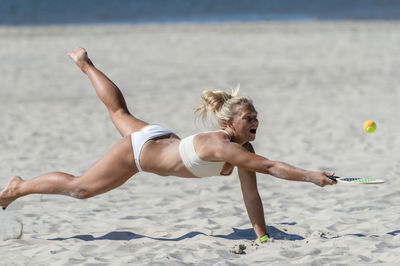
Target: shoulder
[209,145]
[213,137]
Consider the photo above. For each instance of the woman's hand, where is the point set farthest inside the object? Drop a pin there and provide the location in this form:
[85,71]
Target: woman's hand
[320,178]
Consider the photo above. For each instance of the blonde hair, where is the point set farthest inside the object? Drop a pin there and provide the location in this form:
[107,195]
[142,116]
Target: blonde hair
[220,104]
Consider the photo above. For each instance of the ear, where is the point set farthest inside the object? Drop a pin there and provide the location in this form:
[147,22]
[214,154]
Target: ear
[229,124]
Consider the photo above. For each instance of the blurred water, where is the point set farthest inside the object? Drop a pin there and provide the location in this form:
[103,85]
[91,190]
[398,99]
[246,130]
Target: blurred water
[42,12]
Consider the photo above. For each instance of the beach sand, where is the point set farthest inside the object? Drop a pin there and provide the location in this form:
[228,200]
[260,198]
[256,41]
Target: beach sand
[313,84]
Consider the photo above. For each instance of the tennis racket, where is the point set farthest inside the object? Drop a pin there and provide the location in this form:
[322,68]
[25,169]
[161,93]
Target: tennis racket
[356,180]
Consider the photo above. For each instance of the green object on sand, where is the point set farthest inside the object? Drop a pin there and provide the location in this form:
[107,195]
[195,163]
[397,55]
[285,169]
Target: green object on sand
[263,239]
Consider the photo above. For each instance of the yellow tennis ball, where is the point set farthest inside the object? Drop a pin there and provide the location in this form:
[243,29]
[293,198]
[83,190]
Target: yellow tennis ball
[369,126]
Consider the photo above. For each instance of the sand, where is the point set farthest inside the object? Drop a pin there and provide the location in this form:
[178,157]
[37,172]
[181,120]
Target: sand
[10,226]
[313,83]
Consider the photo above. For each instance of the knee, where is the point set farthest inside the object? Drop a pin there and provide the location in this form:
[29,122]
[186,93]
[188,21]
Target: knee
[81,194]
[80,191]
[118,114]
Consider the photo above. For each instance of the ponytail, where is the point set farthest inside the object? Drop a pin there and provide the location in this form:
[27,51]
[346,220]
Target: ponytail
[221,104]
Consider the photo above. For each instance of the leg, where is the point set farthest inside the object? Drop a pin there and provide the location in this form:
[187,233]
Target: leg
[111,171]
[109,93]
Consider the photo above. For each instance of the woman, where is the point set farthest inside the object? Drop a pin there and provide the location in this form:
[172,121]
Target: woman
[155,149]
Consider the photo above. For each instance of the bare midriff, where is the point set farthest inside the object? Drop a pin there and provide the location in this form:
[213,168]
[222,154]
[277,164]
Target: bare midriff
[161,156]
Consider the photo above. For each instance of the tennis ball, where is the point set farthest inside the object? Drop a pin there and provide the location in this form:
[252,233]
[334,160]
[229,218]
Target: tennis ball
[369,126]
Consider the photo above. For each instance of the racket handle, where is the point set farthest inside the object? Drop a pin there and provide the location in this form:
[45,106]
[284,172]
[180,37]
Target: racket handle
[334,178]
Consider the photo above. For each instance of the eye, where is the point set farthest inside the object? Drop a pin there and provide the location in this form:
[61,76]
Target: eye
[251,118]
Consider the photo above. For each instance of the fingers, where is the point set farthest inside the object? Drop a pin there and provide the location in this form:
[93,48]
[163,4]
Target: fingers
[325,180]
[329,181]
[322,178]
[329,173]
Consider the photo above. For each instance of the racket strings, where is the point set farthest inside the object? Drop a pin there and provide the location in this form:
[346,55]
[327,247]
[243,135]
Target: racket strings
[358,179]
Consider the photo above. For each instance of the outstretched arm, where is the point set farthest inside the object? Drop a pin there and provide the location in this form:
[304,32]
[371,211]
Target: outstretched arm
[237,155]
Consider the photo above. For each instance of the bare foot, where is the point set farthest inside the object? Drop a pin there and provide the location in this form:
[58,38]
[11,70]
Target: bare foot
[9,193]
[80,58]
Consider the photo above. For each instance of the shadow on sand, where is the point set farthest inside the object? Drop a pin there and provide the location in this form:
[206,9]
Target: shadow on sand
[237,234]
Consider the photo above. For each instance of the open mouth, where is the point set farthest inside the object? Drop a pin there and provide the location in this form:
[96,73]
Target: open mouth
[253,131]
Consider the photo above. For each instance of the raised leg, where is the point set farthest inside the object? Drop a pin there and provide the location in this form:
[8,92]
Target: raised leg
[109,93]
[111,171]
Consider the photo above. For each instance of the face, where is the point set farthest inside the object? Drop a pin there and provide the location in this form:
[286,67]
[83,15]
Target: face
[244,124]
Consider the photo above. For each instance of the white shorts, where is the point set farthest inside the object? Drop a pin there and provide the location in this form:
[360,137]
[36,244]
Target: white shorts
[139,138]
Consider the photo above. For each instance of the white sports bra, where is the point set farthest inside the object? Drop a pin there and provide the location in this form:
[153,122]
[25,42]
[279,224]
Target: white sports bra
[194,164]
